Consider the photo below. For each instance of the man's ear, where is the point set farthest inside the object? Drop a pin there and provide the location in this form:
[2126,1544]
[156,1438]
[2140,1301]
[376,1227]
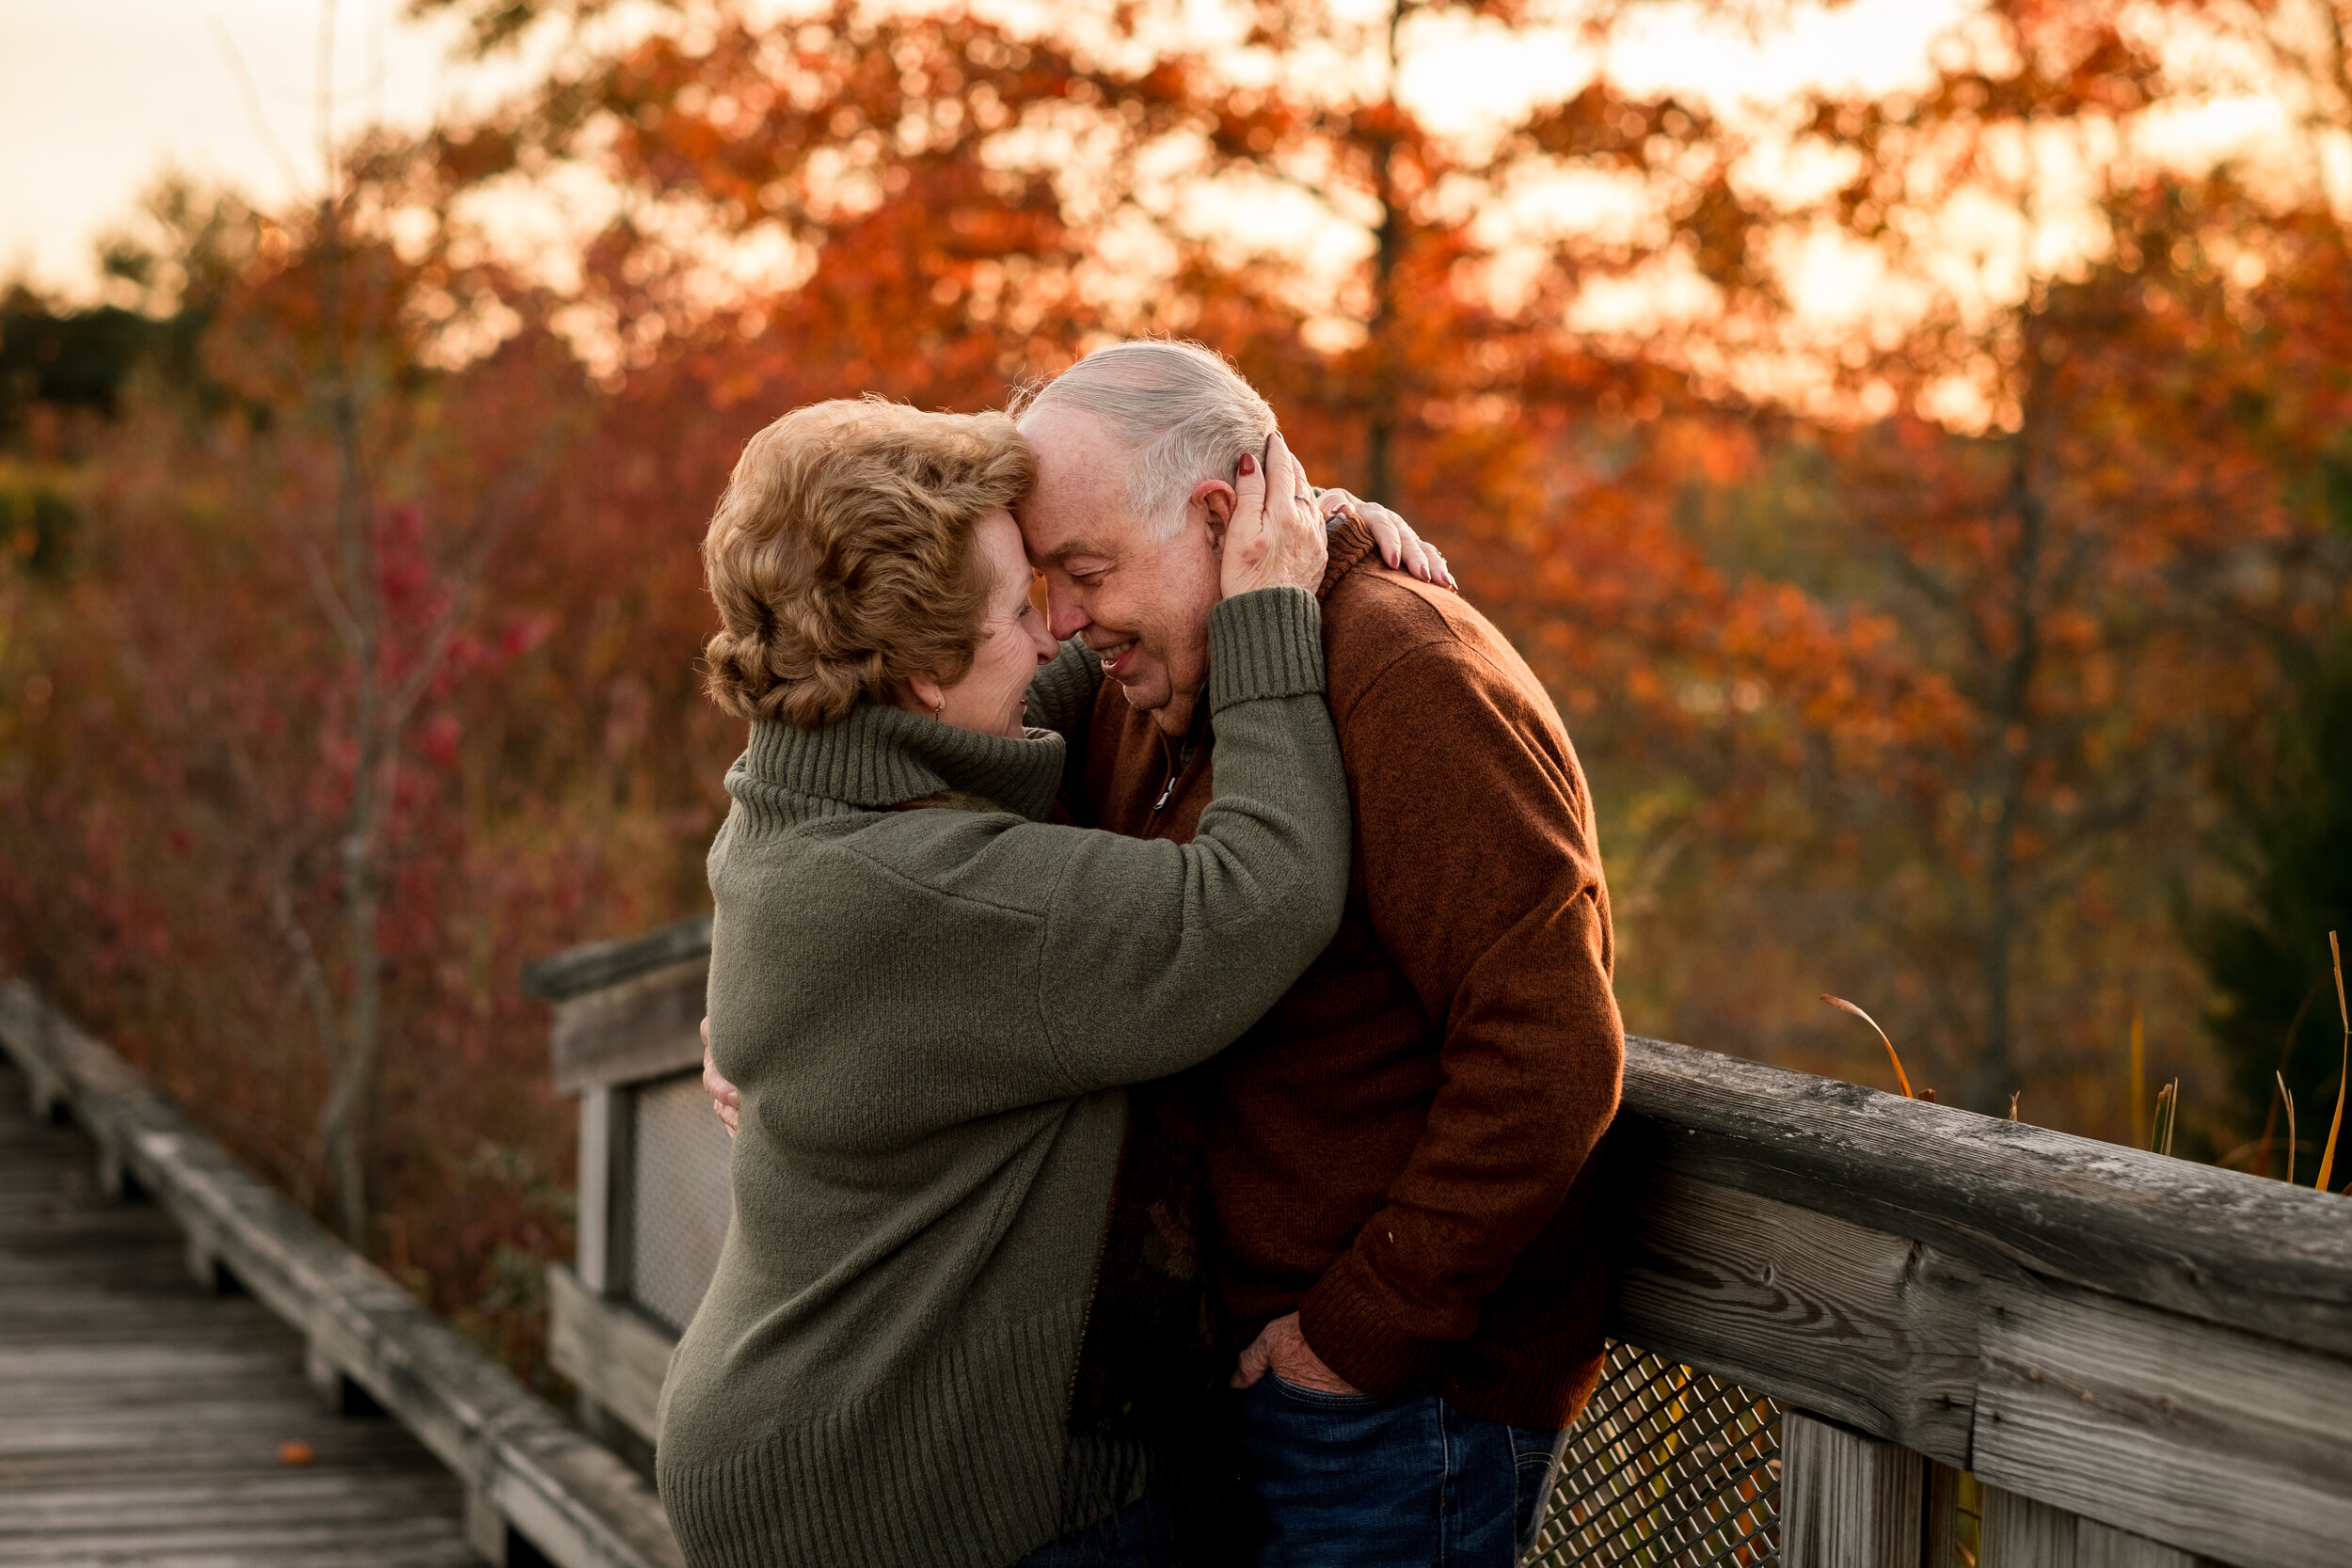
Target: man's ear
[1215,500]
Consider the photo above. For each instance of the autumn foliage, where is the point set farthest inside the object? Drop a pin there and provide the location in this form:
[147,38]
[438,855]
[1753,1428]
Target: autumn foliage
[1911,651]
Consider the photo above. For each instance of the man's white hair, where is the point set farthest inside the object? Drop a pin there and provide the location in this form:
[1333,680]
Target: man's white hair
[1182,413]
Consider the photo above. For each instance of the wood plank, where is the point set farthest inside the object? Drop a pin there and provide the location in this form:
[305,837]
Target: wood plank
[618,1356]
[1871,1329]
[647,1026]
[252,1541]
[595,965]
[2007,1197]
[1848,1500]
[2223,1444]
[296,1501]
[89,1454]
[2097,1546]
[2020,1533]
[598,1186]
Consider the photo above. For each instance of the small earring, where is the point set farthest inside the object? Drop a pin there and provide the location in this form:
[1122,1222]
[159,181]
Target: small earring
[939,710]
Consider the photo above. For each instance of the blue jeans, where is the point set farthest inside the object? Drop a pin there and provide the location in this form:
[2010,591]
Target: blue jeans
[1397,1480]
[1141,1535]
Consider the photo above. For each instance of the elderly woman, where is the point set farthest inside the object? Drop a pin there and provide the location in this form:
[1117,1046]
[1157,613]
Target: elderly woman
[929,996]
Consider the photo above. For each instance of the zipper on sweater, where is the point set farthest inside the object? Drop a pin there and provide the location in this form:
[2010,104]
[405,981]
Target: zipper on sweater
[1094,1279]
[1181,756]
[1086,1320]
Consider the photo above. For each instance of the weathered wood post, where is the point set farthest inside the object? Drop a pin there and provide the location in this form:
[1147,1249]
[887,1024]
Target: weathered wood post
[651,1195]
[1848,1500]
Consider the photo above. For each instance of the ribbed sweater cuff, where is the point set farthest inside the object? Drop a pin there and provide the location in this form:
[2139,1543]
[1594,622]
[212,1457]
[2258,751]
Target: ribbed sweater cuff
[1267,642]
[1348,1326]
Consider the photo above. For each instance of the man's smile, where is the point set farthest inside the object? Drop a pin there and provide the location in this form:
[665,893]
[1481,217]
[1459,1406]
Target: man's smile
[1114,656]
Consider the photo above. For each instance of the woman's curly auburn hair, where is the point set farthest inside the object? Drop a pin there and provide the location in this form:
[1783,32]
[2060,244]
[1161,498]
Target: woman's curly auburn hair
[841,559]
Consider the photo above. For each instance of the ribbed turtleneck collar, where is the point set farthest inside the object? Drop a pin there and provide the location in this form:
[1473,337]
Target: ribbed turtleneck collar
[1350,542]
[881,756]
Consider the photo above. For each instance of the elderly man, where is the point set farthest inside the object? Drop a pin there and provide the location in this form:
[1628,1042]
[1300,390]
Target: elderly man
[1388,1182]
[1390,1159]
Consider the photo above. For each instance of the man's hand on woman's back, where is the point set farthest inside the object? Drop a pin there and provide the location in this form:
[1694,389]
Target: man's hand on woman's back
[1401,547]
[725,1098]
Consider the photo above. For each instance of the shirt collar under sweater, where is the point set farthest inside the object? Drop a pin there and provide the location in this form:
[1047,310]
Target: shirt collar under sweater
[880,757]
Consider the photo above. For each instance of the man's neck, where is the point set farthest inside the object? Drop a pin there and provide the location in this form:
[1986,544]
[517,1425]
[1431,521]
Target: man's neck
[1180,718]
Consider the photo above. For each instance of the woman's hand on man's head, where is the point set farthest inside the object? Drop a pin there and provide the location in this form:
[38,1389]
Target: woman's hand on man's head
[1276,538]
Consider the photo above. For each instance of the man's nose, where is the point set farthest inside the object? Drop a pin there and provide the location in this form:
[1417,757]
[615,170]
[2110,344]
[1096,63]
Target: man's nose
[1063,613]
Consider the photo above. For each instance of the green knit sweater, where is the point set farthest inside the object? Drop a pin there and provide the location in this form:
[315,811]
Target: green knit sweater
[930,1014]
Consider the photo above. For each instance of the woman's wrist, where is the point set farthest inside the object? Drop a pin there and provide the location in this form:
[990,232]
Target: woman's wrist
[1265,643]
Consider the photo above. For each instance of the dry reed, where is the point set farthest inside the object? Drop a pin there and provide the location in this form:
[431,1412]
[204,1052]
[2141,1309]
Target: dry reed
[2288,1095]
[1901,1076]
[2287,1050]
[2343,1074]
[2139,1079]
[2168,1116]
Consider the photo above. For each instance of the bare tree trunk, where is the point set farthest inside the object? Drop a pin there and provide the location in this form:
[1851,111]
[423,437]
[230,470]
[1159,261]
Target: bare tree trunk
[353,1050]
[2011,738]
[1380,417]
[351,593]
[343,1121]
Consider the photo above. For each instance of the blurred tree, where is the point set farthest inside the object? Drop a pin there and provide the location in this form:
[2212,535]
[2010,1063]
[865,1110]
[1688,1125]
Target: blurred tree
[2093,571]
[2292,843]
[941,205]
[182,746]
[1901,653]
[72,358]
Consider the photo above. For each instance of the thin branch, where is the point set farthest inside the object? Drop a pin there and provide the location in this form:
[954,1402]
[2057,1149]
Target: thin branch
[322,584]
[309,973]
[325,90]
[254,107]
[410,690]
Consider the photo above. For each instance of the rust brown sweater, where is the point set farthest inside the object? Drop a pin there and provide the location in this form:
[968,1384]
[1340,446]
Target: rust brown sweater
[1401,1149]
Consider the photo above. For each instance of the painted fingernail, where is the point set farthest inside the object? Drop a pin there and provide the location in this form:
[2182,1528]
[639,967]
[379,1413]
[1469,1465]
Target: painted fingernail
[1248,464]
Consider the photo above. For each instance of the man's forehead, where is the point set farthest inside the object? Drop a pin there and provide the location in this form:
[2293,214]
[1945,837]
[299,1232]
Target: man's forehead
[1080,505]
[1051,548]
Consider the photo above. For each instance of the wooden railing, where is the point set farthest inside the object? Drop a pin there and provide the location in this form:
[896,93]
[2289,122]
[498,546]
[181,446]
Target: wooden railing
[2130,1361]
[2140,1361]
[536,1487]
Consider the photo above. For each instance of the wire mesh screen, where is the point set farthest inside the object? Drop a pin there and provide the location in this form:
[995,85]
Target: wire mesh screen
[1668,1469]
[680,1195]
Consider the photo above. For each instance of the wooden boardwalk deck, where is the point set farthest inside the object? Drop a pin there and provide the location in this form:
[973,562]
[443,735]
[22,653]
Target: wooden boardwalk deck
[141,1419]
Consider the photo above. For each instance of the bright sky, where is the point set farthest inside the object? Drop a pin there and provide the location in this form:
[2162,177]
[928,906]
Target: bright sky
[97,97]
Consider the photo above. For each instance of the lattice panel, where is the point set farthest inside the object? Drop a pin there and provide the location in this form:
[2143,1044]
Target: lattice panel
[681,1194]
[1668,1469]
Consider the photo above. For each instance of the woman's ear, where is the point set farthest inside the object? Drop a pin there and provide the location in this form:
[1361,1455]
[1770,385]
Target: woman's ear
[922,695]
[1215,500]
